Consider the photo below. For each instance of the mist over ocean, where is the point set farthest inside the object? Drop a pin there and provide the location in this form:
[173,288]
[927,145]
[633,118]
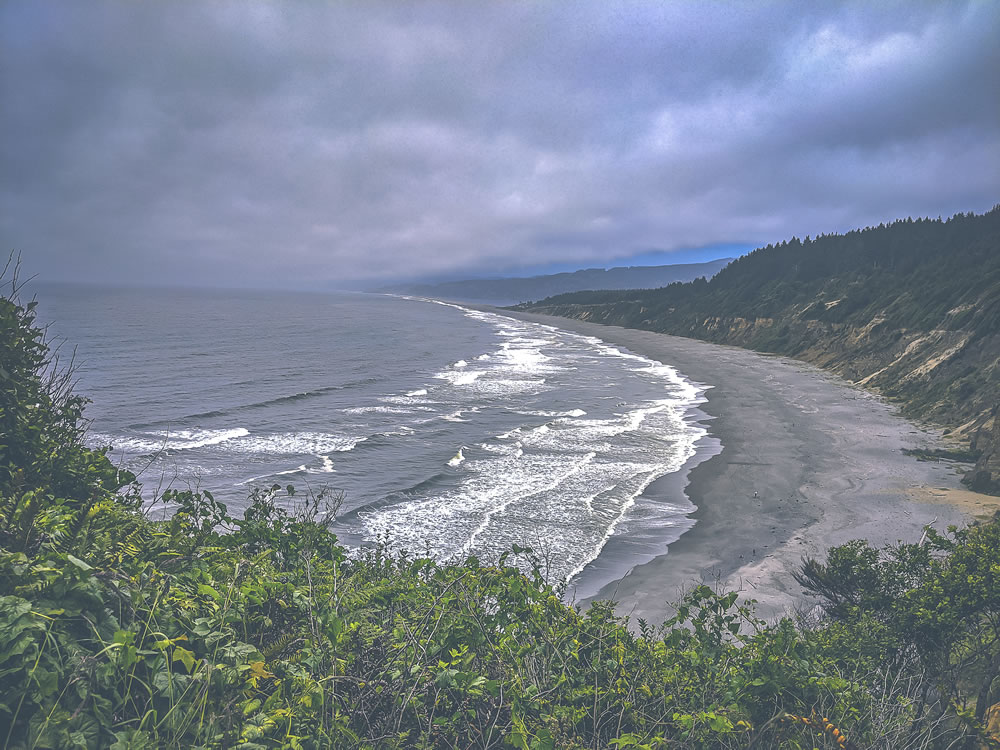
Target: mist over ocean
[447,429]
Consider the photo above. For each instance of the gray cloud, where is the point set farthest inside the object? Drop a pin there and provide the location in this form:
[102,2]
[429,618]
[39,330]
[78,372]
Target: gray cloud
[298,143]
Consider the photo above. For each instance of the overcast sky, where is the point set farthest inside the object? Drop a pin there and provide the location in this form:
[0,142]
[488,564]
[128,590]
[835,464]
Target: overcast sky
[300,143]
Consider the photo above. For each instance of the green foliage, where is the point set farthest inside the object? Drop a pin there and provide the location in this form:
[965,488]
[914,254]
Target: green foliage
[41,422]
[936,606]
[211,631]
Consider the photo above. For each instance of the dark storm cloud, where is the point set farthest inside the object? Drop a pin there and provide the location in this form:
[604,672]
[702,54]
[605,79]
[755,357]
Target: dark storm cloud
[299,143]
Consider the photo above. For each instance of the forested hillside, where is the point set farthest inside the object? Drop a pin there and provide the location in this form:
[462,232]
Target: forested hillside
[911,310]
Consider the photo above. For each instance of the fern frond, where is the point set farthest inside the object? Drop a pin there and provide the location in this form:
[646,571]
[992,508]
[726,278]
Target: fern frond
[277,646]
[72,538]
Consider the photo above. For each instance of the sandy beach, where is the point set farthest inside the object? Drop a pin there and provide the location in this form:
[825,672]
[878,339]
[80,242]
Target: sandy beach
[807,462]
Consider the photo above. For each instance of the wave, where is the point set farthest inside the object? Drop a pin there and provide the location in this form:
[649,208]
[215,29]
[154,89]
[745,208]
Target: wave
[266,403]
[326,467]
[466,377]
[527,355]
[299,443]
[526,360]
[418,392]
[176,440]
[498,388]
[455,416]
[454,521]
[381,410]
[601,433]
[287,472]
[555,481]
[681,386]
[540,413]
[401,431]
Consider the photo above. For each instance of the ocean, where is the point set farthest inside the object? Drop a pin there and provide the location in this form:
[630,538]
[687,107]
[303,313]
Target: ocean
[448,430]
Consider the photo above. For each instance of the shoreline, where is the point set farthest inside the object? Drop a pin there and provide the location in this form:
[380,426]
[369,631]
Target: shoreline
[807,462]
[644,536]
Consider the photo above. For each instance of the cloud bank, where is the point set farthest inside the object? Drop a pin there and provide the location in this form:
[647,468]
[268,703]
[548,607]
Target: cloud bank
[350,143]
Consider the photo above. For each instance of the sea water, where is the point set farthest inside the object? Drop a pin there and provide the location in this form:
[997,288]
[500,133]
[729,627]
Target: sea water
[448,430]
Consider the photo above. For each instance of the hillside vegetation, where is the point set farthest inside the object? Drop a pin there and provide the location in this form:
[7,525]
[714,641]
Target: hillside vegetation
[130,621]
[911,310]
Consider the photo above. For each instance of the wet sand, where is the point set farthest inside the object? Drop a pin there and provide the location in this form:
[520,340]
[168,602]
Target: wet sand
[807,462]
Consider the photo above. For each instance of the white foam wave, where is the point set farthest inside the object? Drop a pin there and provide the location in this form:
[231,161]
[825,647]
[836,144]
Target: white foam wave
[466,377]
[187,439]
[541,413]
[418,392]
[527,360]
[609,532]
[377,410]
[171,440]
[556,479]
[297,470]
[298,443]
[453,523]
[680,386]
[529,341]
[402,430]
[396,405]
[460,363]
[497,388]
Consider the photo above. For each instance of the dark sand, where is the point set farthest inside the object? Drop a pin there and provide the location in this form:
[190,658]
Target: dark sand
[807,462]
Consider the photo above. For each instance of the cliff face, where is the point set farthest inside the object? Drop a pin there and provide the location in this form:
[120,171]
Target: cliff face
[914,316]
[949,377]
